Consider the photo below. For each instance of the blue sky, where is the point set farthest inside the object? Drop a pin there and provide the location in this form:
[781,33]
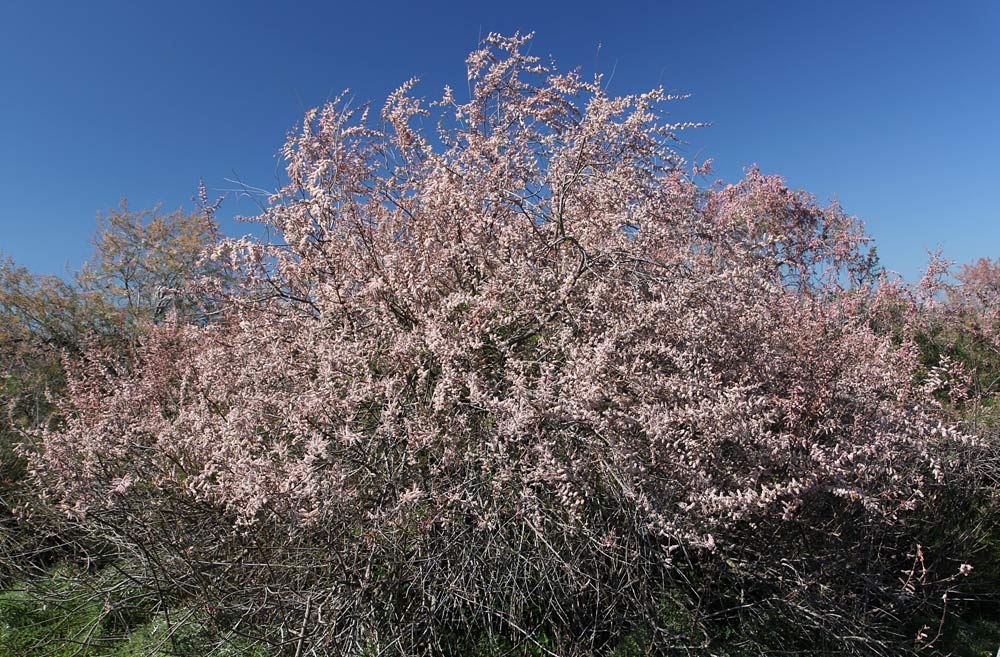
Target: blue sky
[892,107]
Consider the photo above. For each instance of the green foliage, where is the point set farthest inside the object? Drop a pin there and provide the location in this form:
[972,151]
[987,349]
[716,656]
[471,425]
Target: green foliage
[971,636]
[33,625]
[143,259]
[190,638]
[674,619]
[67,614]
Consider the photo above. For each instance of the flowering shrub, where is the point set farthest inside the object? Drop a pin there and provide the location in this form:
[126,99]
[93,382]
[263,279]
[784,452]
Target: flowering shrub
[964,326]
[519,381]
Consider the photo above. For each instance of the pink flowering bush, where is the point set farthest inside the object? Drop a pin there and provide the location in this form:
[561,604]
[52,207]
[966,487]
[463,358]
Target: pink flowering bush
[508,377]
[964,325]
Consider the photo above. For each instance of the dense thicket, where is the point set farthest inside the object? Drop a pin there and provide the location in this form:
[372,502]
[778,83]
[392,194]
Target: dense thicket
[141,263]
[520,384]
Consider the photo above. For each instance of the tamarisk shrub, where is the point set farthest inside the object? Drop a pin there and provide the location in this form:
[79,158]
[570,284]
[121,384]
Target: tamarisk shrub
[135,278]
[517,381]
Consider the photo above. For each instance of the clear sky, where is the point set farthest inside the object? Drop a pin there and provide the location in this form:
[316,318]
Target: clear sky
[892,107]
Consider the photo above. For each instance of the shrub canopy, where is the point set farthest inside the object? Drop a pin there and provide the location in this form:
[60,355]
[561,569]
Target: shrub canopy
[518,375]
